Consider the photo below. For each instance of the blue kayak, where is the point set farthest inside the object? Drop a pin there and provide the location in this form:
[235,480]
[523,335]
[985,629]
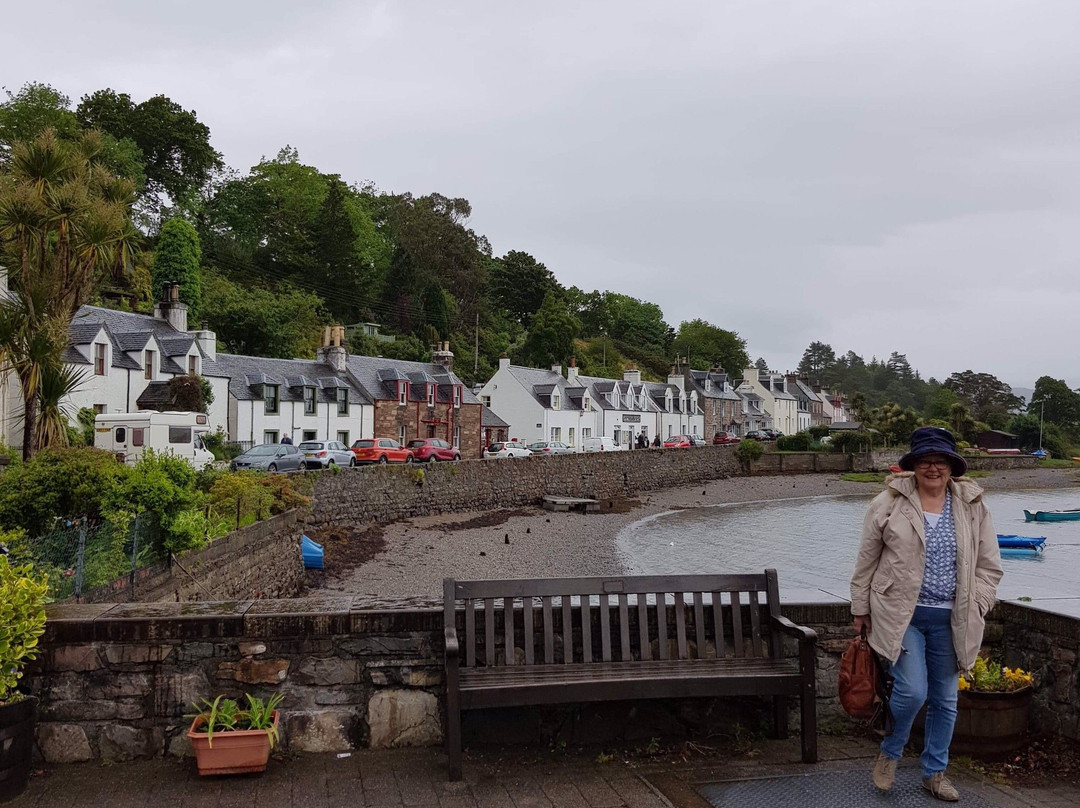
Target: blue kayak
[1032,543]
[312,554]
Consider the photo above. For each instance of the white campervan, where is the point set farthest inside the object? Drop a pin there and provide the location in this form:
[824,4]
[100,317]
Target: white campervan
[601,444]
[129,434]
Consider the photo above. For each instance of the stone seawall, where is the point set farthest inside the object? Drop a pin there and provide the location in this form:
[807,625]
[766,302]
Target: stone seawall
[258,561]
[386,493]
[881,459]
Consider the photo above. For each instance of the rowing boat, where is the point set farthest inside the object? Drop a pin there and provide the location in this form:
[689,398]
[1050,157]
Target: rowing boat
[1052,516]
[1021,542]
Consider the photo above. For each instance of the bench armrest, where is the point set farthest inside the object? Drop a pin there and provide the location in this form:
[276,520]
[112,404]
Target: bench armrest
[801,633]
[453,650]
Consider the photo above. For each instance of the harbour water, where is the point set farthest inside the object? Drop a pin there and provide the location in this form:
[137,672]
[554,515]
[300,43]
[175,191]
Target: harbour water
[812,543]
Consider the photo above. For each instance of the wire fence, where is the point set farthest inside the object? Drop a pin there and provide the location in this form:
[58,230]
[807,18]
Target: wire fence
[80,555]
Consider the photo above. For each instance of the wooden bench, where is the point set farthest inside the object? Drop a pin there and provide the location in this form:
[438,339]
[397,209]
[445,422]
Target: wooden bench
[549,641]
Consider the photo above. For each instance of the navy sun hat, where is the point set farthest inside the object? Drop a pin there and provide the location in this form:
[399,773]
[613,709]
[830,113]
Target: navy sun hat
[933,440]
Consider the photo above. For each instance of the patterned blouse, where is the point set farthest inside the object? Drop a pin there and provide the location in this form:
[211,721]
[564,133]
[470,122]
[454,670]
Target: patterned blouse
[939,574]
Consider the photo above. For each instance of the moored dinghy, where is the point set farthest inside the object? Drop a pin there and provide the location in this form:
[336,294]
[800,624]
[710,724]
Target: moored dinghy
[1069,515]
[1020,545]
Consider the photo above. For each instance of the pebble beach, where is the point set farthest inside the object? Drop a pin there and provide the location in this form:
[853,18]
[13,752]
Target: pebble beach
[417,554]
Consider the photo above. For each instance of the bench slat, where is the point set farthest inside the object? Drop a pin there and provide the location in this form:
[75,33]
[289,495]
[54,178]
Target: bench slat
[489,630]
[624,628]
[586,628]
[718,625]
[755,624]
[605,628]
[527,618]
[567,631]
[661,624]
[736,624]
[549,630]
[680,624]
[508,630]
[470,633]
[520,587]
[699,624]
[643,627]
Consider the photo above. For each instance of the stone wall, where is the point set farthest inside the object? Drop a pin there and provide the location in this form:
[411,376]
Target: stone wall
[258,561]
[385,493]
[881,459]
[810,462]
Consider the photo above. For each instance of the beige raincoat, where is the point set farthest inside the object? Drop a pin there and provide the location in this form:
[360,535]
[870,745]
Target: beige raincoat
[889,569]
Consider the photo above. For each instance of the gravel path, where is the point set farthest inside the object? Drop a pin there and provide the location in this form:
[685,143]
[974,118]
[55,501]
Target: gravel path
[536,543]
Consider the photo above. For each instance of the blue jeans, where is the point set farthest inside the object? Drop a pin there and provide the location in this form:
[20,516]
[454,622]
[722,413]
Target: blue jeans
[926,673]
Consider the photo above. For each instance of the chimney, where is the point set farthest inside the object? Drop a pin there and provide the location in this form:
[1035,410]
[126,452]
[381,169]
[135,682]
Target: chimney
[207,340]
[332,352]
[557,368]
[632,374]
[504,361]
[170,308]
[677,379]
[572,373]
[442,355]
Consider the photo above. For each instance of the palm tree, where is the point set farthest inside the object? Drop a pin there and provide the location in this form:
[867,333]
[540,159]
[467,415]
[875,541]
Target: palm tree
[64,224]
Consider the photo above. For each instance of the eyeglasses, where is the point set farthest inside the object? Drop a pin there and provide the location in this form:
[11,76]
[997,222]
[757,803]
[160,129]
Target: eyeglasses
[940,463]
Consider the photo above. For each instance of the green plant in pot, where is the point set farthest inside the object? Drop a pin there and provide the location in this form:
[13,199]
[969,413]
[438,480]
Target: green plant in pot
[23,595]
[230,738]
[992,710]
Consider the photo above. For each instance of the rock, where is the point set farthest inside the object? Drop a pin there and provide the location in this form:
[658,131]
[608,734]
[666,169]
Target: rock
[176,694]
[321,730]
[179,745]
[79,658]
[255,671]
[136,654]
[63,743]
[404,718]
[251,648]
[120,743]
[430,677]
[332,671]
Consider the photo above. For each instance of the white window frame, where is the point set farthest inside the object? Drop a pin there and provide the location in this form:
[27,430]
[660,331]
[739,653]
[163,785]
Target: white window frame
[431,395]
[148,364]
[343,402]
[457,437]
[193,365]
[275,397]
[311,398]
[403,393]
[457,396]
[343,437]
[401,435]
[270,436]
[570,436]
[555,401]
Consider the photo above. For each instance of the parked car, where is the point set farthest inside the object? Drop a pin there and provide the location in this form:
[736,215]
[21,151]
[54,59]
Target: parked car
[601,444]
[772,434]
[380,450]
[432,450]
[549,447]
[756,434]
[507,449]
[678,442]
[269,457]
[722,438]
[696,440]
[322,454]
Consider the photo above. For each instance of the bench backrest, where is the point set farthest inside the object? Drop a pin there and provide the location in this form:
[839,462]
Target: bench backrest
[614,619]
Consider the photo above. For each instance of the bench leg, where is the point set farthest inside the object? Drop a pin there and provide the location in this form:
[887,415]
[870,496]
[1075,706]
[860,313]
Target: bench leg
[808,704]
[780,716]
[453,735]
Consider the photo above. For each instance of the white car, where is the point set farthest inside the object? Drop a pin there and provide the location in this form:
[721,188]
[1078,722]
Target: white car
[509,449]
[326,453]
[601,444]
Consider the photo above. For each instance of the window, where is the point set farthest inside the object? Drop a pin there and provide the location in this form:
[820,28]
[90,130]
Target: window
[586,432]
[457,437]
[270,397]
[343,437]
[486,401]
[309,434]
[99,409]
[193,365]
[431,395]
[555,401]
[121,435]
[617,433]
[587,404]
[148,364]
[708,385]
[457,395]
[270,436]
[137,436]
[99,359]
[668,403]
[401,435]
[669,430]
[556,433]
[343,402]
[309,401]
[403,393]
[179,434]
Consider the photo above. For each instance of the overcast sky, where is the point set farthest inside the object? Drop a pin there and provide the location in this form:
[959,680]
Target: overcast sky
[877,175]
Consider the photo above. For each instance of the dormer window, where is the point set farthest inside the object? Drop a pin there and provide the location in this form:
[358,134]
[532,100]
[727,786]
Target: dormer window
[148,364]
[99,359]
[343,402]
[669,404]
[586,404]
[457,396]
[270,399]
[310,405]
[555,401]
[708,385]
[403,393]
[193,365]
[431,395]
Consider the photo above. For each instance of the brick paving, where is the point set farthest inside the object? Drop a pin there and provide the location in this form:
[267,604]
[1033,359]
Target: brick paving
[506,778]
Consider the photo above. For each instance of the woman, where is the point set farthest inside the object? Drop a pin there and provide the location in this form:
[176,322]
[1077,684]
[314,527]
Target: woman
[926,575]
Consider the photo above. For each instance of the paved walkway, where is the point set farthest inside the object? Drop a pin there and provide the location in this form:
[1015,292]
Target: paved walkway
[502,779]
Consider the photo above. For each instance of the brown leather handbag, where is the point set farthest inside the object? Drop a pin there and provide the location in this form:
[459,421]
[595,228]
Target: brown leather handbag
[865,685]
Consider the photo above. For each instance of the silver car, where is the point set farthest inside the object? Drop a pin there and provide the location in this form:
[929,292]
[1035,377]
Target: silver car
[322,454]
[269,457]
[544,448]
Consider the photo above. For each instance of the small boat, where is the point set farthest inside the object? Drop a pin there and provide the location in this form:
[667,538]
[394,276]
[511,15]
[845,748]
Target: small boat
[1021,542]
[312,553]
[1052,516]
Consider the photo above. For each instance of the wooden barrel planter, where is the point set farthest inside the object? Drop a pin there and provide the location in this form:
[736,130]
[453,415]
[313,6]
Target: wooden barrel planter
[991,726]
[16,746]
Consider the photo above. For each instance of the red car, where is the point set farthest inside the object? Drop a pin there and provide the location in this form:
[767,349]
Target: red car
[722,438]
[430,450]
[380,450]
[678,442]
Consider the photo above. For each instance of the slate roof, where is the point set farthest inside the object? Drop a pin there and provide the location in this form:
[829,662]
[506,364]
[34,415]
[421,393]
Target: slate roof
[132,340]
[365,371]
[154,396]
[489,419]
[82,332]
[542,383]
[248,374]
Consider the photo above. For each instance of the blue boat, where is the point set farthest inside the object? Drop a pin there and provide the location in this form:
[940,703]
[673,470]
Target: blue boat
[1021,544]
[312,554]
[1052,516]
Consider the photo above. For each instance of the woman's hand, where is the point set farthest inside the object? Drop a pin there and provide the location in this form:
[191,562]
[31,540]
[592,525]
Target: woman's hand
[862,623]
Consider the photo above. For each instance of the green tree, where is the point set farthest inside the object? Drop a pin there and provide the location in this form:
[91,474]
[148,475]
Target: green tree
[939,402]
[761,364]
[519,283]
[708,346]
[551,337]
[986,395]
[817,360]
[437,311]
[961,424]
[32,110]
[176,259]
[1055,402]
[893,421]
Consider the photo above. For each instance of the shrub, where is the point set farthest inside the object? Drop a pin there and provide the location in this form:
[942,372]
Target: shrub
[851,441]
[799,442]
[819,432]
[158,488]
[748,451]
[990,677]
[240,498]
[285,495]
[22,621]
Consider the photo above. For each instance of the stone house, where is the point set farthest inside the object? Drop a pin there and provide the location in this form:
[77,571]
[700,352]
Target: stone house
[722,408]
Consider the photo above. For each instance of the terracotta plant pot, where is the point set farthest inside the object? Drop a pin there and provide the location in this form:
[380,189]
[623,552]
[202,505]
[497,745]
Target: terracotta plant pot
[17,722]
[236,752]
